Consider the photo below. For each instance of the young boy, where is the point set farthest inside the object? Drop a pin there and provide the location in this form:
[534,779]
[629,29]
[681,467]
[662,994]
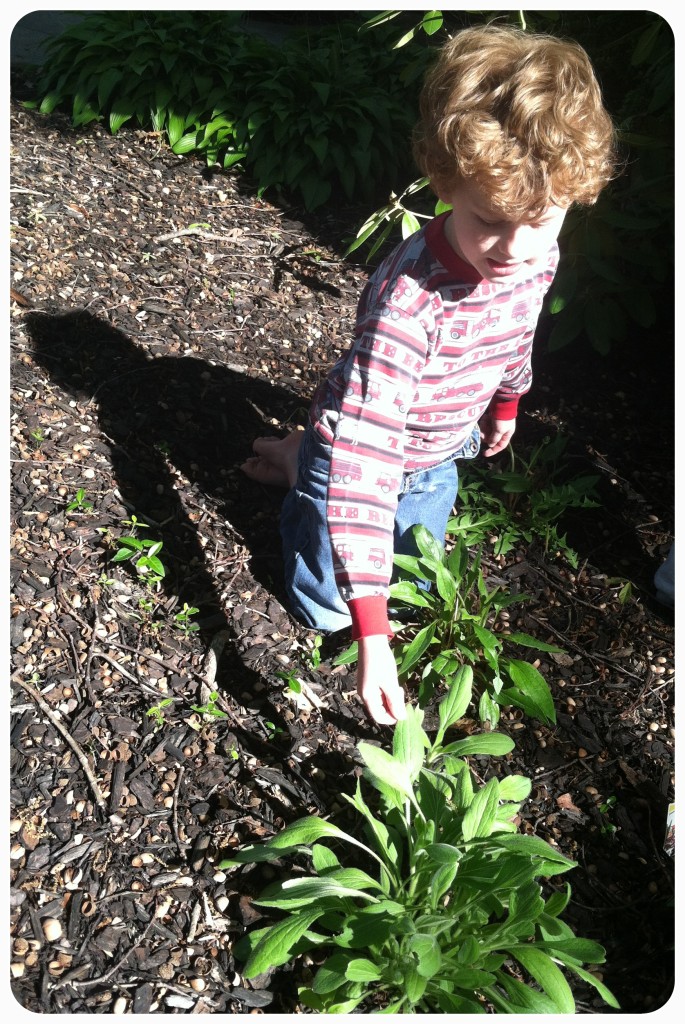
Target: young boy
[512,132]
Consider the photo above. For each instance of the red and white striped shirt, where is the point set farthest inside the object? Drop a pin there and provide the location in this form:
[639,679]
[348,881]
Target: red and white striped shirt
[435,346]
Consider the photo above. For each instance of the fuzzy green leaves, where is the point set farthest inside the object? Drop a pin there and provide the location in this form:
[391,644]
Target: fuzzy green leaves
[444,911]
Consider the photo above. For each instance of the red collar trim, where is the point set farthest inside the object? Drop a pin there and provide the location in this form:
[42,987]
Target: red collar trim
[436,240]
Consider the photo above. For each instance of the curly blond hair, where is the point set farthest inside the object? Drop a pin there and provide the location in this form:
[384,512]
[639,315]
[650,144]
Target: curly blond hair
[521,115]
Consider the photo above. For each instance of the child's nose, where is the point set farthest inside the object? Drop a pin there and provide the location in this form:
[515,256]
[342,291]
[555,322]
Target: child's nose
[517,242]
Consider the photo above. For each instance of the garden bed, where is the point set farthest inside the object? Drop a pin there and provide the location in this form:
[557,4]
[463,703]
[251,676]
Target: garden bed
[162,317]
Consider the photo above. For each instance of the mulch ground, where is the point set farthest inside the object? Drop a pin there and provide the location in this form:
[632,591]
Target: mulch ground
[161,318]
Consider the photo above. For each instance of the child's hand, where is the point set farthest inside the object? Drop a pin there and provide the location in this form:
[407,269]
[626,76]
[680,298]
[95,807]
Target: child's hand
[496,434]
[377,683]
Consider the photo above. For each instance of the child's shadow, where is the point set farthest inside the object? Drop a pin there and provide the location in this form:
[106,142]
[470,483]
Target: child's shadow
[166,413]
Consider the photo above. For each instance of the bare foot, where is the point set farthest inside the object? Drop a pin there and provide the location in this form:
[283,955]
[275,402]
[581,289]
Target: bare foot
[275,460]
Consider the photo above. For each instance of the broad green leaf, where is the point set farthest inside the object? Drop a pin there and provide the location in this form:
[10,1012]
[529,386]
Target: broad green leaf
[186,144]
[414,984]
[362,931]
[348,656]
[347,1006]
[175,127]
[305,831]
[645,44]
[470,978]
[489,641]
[301,892]
[488,709]
[432,22]
[480,816]
[482,743]
[443,853]
[519,998]
[457,699]
[362,970]
[524,640]
[251,855]
[532,685]
[451,1002]
[526,902]
[583,951]
[551,929]
[427,949]
[410,742]
[442,881]
[410,224]
[152,563]
[380,834]
[108,80]
[514,787]
[553,861]
[604,992]
[323,90]
[543,969]
[331,974]
[434,794]
[558,901]
[386,768]
[430,548]
[417,648]
[323,859]
[273,949]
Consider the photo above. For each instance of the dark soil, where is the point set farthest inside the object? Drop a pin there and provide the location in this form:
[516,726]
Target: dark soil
[162,317]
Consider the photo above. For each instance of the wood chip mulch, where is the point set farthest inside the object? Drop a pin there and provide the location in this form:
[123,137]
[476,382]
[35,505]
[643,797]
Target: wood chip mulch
[162,317]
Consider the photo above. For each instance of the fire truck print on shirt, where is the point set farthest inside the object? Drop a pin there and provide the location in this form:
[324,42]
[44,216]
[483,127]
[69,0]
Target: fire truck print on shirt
[434,348]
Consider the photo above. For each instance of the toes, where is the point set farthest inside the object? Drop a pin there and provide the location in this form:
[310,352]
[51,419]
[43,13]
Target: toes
[261,444]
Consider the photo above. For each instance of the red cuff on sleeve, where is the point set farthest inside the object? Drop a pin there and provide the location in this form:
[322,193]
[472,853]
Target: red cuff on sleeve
[369,616]
[504,409]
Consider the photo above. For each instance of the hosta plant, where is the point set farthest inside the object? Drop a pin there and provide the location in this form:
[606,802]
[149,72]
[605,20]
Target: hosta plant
[437,904]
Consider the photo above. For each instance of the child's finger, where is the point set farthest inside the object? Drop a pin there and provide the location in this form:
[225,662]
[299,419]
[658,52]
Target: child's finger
[394,702]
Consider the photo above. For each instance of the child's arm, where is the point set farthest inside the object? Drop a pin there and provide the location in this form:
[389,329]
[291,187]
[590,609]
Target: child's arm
[377,683]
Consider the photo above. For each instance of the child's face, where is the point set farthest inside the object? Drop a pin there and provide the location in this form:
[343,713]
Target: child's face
[496,247]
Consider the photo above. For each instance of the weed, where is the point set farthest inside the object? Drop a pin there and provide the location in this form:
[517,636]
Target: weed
[142,554]
[182,619]
[524,502]
[607,826]
[210,707]
[80,502]
[291,679]
[157,712]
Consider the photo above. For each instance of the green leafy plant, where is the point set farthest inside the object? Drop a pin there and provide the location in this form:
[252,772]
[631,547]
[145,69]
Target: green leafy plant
[134,66]
[37,435]
[320,117]
[607,826]
[442,908]
[182,619]
[452,625]
[291,680]
[80,503]
[525,502]
[313,654]
[312,115]
[210,707]
[143,554]
[156,712]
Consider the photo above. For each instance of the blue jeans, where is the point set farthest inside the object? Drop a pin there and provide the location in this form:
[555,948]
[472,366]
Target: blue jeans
[426,496]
